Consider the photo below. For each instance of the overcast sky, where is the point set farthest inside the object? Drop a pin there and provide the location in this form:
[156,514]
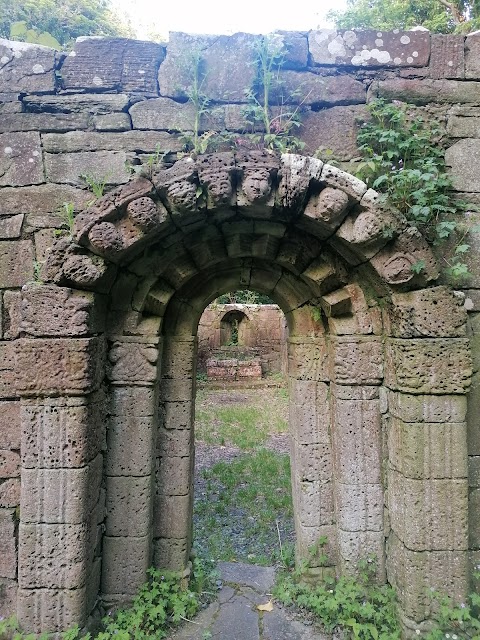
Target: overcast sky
[215,16]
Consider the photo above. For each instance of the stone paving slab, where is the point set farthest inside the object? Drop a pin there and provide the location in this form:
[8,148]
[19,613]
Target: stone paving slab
[234,615]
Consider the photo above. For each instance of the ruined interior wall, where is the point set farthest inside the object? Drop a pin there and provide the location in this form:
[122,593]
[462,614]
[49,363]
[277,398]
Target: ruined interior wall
[264,329]
[114,103]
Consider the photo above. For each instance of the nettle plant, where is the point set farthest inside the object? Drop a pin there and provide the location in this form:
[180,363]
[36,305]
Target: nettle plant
[271,120]
[404,158]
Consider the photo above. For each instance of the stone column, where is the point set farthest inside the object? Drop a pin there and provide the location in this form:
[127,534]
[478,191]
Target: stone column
[173,509]
[311,451]
[427,471]
[62,414]
[130,466]
[357,371]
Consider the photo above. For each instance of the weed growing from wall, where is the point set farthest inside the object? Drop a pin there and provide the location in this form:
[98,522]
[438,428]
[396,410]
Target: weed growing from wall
[404,159]
[276,122]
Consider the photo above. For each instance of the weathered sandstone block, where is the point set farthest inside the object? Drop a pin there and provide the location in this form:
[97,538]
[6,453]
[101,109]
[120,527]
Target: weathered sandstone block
[369,48]
[125,435]
[171,553]
[52,556]
[128,506]
[10,424]
[27,68]
[9,464]
[10,494]
[52,609]
[427,408]
[314,504]
[59,365]
[113,63]
[21,160]
[16,266]
[359,507]
[59,311]
[357,360]
[125,564]
[437,365]
[308,359]
[103,165]
[8,550]
[133,362]
[11,226]
[172,513]
[62,432]
[174,475]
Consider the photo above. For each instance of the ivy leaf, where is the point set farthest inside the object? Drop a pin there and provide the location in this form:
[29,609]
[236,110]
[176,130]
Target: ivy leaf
[418,267]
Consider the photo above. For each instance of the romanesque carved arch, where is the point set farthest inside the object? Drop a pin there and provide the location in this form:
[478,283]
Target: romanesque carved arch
[377,380]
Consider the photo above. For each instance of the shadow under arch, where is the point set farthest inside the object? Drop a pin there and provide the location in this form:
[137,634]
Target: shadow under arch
[377,353]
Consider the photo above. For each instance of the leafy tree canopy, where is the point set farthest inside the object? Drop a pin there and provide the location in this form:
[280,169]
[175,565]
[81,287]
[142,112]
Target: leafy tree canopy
[58,23]
[439,16]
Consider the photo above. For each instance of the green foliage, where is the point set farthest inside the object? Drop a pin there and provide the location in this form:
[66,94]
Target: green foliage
[386,15]
[243,297]
[251,494]
[163,601]
[460,622]
[404,159]
[96,185]
[244,423]
[67,215]
[276,122]
[358,606]
[58,24]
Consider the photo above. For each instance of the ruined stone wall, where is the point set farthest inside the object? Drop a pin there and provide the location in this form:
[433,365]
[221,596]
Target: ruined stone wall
[111,105]
[263,330]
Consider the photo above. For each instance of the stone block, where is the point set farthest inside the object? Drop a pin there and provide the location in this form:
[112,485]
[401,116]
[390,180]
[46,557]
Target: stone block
[112,122]
[447,59]
[128,506]
[464,122]
[16,267]
[56,496]
[132,401]
[357,435]
[320,90]
[8,597]
[414,574]
[21,161]
[473,518]
[7,373]
[11,226]
[427,408]
[428,450]
[172,515]
[113,63]
[312,461]
[125,564]
[43,122]
[58,311]
[472,50]
[168,115]
[130,443]
[138,141]
[93,103]
[171,553]
[10,424]
[59,365]
[8,544]
[308,359]
[174,475]
[424,91]
[12,304]
[133,362]
[369,48]
[9,464]
[10,493]
[175,442]
[474,472]
[176,415]
[354,546]
[26,68]
[357,360]
[68,168]
[428,366]
[473,432]
[345,392]
[52,610]
[359,507]
[227,68]
[62,433]
[179,391]
[52,556]
[430,514]
[314,502]
[294,49]
[462,158]
[307,540]
[179,359]
[428,313]
[40,200]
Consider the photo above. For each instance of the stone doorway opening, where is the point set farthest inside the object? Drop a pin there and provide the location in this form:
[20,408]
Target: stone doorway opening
[377,363]
[242,496]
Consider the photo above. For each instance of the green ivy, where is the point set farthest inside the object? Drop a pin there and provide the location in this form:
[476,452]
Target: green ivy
[404,158]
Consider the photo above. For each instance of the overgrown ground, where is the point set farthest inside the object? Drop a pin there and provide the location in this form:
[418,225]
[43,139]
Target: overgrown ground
[243,503]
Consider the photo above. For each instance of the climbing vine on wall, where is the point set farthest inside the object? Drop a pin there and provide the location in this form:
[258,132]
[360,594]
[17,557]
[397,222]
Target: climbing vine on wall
[404,158]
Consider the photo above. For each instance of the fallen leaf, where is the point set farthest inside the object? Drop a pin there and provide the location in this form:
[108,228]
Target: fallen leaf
[265,607]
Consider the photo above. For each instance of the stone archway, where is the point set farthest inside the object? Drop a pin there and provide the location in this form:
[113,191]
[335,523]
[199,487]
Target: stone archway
[378,367]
